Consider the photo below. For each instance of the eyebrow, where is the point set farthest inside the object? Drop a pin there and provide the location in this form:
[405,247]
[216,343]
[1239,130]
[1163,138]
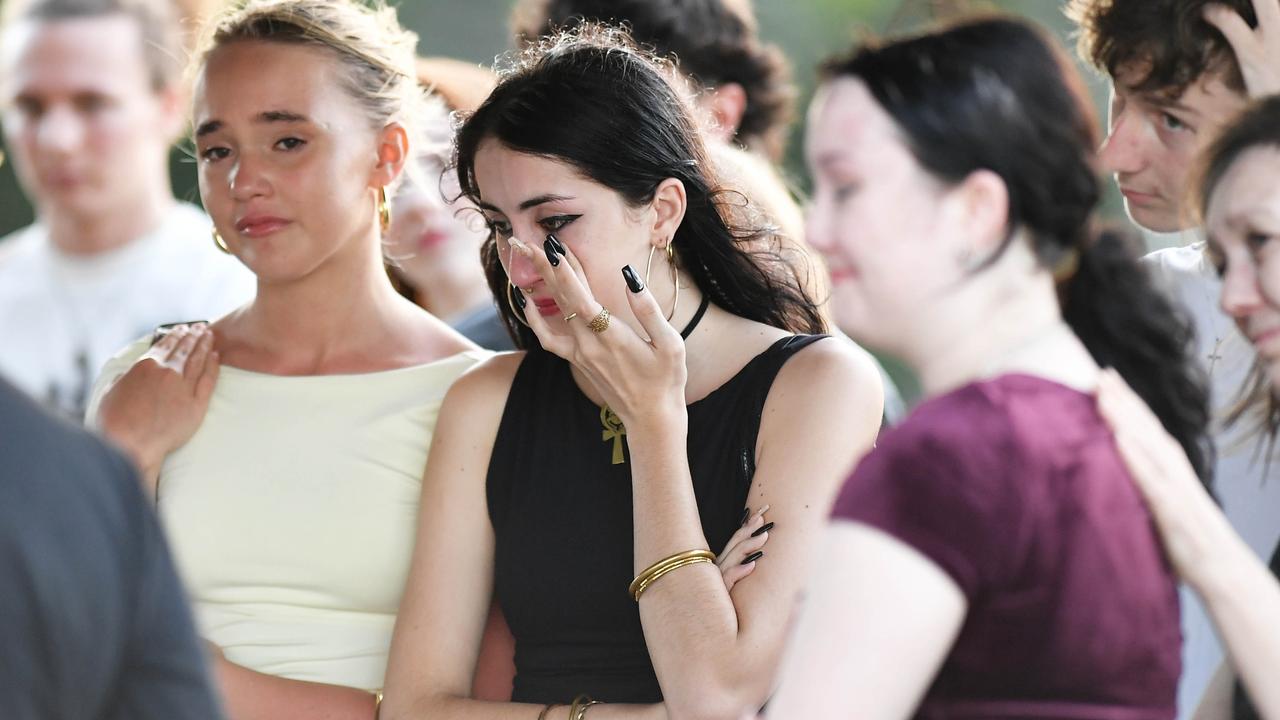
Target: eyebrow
[542,200]
[531,202]
[1168,103]
[269,116]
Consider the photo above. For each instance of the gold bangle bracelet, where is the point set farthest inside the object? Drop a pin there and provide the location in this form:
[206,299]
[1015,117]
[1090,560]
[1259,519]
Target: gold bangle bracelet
[578,710]
[663,565]
[666,561]
[377,704]
[644,585]
[543,715]
[666,565]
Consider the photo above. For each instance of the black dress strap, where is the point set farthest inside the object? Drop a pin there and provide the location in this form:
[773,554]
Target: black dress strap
[753,385]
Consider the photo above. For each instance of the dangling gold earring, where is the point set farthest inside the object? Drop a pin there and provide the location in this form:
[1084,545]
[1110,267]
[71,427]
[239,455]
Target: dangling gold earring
[512,304]
[384,209]
[218,241]
[675,276]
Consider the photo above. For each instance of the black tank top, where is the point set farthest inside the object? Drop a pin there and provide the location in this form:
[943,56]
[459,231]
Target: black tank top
[562,518]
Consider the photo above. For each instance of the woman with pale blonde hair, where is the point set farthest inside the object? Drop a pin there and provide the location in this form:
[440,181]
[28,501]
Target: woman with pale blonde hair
[285,442]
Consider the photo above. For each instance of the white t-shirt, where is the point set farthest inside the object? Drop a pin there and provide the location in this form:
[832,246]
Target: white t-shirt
[1247,486]
[62,316]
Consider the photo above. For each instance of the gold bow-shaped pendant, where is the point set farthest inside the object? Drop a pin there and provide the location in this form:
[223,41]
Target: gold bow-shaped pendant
[613,430]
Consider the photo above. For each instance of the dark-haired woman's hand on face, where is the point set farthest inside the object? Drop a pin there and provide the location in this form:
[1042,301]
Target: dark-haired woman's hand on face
[1192,528]
[159,403]
[643,382]
[1257,50]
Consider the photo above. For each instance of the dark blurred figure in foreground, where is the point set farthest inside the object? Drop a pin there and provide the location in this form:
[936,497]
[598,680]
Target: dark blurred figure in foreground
[93,621]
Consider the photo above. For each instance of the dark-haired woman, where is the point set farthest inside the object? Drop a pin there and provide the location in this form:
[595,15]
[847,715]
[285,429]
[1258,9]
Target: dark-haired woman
[990,558]
[671,389]
[1240,205]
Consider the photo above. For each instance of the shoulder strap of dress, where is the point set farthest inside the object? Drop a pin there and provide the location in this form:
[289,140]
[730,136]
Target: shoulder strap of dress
[758,381]
[769,363]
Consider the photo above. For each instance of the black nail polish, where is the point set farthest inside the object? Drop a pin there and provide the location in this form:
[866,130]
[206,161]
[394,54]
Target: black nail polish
[753,557]
[551,253]
[746,513]
[762,530]
[518,294]
[556,244]
[633,280]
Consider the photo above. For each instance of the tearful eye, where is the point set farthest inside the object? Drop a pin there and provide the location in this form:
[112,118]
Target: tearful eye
[498,228]
[556,222]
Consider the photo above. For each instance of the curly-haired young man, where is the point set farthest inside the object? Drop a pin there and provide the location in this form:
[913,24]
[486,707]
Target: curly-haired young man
[1180,70]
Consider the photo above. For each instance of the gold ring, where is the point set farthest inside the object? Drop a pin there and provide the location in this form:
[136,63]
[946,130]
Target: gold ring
[600,322]
[570,316]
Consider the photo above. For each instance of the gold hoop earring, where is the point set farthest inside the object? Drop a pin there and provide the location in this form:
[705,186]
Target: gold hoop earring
[218,241]
[384,209]
[511,303]
[675,276]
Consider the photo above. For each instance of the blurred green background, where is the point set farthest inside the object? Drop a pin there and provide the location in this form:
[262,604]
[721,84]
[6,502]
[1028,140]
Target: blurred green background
[807,30]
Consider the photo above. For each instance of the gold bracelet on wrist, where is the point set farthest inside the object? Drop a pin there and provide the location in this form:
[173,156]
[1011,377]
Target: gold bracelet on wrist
[666,565]
[543,715]
[578,710]
[377,704]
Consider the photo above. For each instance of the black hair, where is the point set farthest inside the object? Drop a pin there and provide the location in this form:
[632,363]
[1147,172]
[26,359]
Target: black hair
[593,100]
[995,94]
[715,42]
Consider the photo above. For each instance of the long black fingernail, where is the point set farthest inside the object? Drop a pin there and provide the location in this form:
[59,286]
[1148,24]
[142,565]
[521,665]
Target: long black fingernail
[518,294]
[633,280]
[746,513]
[551,253]
[753,557]
[556,244]
[763,529]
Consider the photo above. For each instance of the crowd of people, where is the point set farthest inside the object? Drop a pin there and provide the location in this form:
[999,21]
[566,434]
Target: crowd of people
[531,391]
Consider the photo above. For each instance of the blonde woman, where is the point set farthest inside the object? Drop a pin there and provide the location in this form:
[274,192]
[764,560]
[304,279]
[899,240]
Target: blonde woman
[285,442]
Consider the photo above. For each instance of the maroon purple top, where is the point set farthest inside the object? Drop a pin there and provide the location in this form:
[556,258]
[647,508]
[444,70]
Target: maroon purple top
[1013,486]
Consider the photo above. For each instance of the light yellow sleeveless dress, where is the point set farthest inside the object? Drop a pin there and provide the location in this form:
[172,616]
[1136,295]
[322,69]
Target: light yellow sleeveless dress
[292,512]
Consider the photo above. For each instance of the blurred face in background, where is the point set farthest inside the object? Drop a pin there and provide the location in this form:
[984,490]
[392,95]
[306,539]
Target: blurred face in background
[1243,225]
[878,219]
[87,129]
[433,233]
